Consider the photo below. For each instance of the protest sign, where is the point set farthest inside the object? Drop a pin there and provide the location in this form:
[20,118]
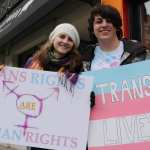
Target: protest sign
[40,110]
[120,120]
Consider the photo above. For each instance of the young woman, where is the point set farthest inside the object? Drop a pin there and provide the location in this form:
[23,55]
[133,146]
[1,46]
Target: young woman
[59,53]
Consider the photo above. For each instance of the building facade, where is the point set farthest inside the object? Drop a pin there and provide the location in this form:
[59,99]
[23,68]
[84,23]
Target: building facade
[30,22]
[25,24]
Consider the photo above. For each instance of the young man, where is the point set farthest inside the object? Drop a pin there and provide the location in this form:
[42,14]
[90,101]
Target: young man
[110,49]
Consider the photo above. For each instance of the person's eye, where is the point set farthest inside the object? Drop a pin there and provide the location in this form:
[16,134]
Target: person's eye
[99,21]
[70,39]
[108,20]
[62,36]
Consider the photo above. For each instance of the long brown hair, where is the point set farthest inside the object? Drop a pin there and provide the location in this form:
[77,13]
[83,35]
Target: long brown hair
[75,65]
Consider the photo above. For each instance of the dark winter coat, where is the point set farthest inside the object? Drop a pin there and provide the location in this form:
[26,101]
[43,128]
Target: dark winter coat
[133,52]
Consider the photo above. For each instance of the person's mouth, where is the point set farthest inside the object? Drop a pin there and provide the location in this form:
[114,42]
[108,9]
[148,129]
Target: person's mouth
[105,30]
[64,46]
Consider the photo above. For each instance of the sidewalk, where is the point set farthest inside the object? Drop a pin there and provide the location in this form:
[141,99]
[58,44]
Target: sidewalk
[11,147]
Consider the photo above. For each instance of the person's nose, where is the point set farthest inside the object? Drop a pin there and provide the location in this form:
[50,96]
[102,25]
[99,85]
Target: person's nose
[104,23]
[65,40]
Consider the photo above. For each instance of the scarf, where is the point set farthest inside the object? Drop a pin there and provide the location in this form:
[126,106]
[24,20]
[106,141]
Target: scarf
[61,65]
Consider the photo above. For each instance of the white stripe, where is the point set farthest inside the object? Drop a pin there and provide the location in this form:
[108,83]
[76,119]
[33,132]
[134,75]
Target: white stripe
[121,130]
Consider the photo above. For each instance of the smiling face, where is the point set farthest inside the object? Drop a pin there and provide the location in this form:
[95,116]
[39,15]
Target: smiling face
[104,29]
[62,44]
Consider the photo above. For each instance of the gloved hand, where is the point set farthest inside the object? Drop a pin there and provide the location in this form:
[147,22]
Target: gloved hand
[92,99]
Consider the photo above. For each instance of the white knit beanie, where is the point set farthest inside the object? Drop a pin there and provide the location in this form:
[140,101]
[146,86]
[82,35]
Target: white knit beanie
[68,29]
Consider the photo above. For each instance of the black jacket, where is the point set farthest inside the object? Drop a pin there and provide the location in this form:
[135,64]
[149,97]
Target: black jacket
[133,52]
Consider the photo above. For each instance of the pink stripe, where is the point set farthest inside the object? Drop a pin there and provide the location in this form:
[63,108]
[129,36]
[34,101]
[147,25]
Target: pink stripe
[118,109]
[135,146]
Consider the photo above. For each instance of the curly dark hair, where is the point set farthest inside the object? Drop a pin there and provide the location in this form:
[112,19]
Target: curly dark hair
[107,12]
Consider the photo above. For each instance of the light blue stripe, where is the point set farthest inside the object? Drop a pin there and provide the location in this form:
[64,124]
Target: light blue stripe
[117,75]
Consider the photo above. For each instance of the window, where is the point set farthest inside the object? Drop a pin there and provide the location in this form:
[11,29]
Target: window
[146,24]
[139,21]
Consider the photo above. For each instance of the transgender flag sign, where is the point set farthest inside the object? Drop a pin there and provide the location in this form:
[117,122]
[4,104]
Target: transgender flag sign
[120,120]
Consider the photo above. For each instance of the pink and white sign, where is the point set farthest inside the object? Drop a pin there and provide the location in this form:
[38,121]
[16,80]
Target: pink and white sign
[120,120]
[37,110]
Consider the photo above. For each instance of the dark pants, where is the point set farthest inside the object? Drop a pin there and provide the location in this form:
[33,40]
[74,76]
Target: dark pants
[35,148]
